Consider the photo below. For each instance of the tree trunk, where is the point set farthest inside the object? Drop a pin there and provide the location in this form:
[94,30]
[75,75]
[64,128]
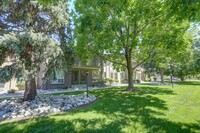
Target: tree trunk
[161,75]
[130,78]
[182,78]
[130,72]
[101,73]
[30,89]
[148,73]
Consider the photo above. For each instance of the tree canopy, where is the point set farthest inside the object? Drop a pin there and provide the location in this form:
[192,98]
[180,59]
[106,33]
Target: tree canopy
[32,34]
[123,31]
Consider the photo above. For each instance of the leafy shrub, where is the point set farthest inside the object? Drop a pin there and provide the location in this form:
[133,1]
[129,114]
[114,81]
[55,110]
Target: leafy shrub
[148,79]
[101,83]
[98,83]
[138,81]
[75,83]
[65,87]
[124,81]
[21,85]
[11,91]
[167,79]
[154,78]
[109,80]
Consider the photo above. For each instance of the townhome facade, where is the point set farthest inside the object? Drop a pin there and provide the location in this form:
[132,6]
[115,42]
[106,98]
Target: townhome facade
[77,75]
[74,77]
[120,76]
[12,83]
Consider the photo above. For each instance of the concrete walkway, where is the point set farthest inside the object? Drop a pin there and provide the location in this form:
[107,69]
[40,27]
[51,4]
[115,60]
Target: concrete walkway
[4,94]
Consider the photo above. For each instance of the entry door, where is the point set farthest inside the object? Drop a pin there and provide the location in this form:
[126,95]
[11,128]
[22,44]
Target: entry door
[75,77]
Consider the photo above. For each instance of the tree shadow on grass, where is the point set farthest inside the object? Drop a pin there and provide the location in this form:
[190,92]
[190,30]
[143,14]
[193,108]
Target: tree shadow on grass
[51,125]
[139,111]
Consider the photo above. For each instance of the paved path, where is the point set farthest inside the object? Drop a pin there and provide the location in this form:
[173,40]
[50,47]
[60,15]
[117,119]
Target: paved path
[4,94]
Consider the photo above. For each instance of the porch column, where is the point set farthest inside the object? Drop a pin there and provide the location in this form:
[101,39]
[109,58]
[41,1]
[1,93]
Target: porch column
[79,76]
[119,77]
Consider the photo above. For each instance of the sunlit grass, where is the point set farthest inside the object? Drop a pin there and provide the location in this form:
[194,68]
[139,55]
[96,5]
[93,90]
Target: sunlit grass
[150,109]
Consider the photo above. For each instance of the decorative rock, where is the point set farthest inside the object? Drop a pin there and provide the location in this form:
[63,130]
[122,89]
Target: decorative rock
[27,113]
[80,103]
[2,113]
[65,108]
[15,108]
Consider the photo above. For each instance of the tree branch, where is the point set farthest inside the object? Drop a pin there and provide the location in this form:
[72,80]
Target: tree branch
[149,56]
[105,57]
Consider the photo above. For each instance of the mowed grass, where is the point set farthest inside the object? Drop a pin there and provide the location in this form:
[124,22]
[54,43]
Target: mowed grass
[151,109]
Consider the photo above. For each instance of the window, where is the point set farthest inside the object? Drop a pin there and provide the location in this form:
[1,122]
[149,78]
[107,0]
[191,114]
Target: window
[121,75]
[1,85]
[95,75]
[116,76]
[75,77]
[111,75]
[59,78]
[83,77]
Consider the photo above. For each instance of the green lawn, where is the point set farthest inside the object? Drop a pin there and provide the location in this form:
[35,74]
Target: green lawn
[152,109]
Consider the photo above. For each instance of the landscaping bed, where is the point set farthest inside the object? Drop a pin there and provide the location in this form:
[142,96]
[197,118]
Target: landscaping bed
[15,108]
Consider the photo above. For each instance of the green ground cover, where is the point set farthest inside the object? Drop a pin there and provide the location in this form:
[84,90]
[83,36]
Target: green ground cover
[151,109]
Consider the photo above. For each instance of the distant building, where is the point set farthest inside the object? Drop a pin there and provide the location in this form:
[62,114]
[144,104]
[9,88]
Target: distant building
[12,83]
[118,76]
[77,76]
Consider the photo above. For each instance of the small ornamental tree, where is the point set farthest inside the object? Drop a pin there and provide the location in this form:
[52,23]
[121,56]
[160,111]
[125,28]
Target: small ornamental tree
[25,52]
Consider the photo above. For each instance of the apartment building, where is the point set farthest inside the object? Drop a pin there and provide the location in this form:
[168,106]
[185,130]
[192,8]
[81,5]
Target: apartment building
[119,76]
[12,83]
[77,75]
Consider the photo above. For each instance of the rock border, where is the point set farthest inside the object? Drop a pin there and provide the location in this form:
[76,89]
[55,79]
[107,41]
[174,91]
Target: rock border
[16,109]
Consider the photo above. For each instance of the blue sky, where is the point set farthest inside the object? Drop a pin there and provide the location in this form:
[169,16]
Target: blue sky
[71,5]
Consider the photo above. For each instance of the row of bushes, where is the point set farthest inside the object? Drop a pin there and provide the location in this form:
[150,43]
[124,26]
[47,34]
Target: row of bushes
[20,86]
[110,80]
[11,91]
[124,81]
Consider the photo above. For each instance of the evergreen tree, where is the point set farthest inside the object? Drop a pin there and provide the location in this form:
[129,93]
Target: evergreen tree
[29,20]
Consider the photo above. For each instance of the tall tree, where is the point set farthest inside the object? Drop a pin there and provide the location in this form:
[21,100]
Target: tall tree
[120,30]
[26,51]
[195,30]
[23,15]
[183,9]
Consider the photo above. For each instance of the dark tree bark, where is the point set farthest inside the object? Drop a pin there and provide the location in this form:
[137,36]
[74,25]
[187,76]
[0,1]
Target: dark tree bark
[130,78]
[182,78]
[148,73]
[101,76]
[161,75]
[130,71]
[30,89]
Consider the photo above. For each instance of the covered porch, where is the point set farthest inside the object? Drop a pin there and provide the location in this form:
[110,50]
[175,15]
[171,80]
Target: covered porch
[78,76]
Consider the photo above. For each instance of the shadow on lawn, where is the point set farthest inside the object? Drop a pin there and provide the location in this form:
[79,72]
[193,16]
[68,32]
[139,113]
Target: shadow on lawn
[140,111]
